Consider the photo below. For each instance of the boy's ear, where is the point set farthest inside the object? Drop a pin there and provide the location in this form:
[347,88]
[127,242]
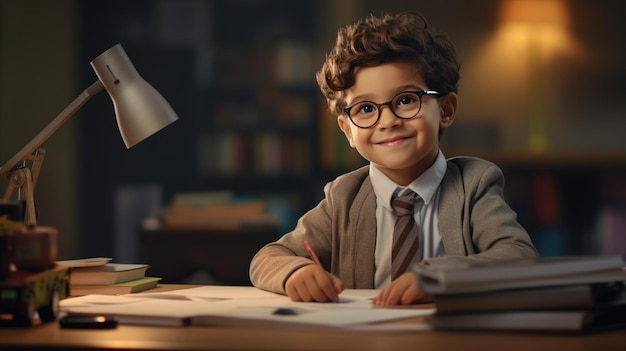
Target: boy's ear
[447,110]
[344,125]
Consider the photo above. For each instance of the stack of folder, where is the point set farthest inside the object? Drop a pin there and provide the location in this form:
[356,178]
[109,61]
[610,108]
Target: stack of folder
[100,276]
[548,294]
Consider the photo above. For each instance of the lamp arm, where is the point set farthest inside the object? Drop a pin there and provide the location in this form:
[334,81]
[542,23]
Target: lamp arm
[55,124]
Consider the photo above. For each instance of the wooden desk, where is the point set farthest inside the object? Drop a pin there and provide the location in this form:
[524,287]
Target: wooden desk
[51,337]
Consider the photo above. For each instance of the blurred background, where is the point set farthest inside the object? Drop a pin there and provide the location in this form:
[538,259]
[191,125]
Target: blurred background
[542,95]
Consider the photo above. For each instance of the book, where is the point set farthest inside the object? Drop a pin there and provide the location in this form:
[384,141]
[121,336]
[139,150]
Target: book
[226,223]
[110,273]
[523,273]
[216,210]
[547,294]
[84,262]
[577,320]
[216,204]
[229,209]
[132,286]
[581,296]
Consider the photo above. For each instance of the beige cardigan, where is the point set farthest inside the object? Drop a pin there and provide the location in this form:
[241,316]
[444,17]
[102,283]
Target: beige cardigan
[475,223]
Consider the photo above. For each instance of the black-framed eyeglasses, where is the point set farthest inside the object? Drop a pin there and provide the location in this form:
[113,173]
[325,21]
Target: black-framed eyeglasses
[404,105]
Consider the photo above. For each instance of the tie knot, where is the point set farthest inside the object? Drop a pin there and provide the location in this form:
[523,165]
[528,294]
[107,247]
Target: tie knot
[403,205]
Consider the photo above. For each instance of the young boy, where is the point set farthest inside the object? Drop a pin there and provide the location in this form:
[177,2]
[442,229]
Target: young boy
[393,84]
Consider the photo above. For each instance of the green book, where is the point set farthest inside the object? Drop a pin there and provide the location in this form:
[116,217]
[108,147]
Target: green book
[107,274]
[128,287]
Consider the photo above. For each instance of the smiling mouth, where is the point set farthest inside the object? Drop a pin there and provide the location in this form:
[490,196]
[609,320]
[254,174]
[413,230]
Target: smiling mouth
[392,141]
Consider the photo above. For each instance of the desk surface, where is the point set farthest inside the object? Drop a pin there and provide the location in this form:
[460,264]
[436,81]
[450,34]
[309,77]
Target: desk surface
[50,336]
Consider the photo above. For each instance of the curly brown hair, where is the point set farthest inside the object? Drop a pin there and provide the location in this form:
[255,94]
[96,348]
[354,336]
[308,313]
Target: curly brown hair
[373,41]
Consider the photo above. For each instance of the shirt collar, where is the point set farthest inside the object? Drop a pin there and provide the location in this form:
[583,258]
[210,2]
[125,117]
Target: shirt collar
[425,185]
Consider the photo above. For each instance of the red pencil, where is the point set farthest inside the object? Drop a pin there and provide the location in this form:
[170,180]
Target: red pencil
[312,253]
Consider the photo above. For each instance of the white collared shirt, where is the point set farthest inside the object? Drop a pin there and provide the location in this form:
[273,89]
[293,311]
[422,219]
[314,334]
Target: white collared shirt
[426,217]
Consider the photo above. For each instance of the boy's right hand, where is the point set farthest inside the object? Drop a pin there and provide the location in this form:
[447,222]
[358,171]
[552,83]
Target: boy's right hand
[312,283]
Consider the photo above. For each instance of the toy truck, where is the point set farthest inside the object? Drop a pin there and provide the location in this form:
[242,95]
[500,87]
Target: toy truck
[30,282]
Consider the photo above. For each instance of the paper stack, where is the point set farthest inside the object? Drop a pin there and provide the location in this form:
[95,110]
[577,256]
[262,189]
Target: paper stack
[554,293]
[238,306]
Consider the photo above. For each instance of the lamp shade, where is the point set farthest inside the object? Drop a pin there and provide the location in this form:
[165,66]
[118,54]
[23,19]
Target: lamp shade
[139,109]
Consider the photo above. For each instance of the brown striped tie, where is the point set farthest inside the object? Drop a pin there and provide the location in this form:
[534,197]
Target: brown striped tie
[405,234]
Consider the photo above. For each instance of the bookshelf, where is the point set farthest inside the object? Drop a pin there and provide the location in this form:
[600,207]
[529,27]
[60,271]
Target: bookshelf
[257,117]
[240,74]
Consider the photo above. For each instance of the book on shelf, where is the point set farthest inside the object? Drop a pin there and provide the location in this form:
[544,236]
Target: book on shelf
[521,273]
[219,223]
[217,204]
[109,273]
[128,287]
[216,210]
[256,154]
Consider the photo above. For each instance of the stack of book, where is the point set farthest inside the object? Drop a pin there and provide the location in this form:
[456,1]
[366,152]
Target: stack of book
[218,210]
[548,294]
[100,276]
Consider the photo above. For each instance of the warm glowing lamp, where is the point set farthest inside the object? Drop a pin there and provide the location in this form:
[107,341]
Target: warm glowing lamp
[535,12]
[543,25]
[139,109]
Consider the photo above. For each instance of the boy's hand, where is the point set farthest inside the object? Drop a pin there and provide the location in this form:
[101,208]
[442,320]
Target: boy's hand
[313,284]
[402,291]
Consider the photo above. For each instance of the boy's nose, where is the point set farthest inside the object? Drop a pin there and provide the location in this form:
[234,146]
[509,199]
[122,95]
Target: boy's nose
[387,118]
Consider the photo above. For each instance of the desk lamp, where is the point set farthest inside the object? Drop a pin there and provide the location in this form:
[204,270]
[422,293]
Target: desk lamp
[139,109]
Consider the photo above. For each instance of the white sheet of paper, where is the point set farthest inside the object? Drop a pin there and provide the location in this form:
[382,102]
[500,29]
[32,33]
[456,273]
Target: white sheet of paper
[237,306]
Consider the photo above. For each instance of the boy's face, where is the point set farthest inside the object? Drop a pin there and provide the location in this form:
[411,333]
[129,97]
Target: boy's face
[401,148]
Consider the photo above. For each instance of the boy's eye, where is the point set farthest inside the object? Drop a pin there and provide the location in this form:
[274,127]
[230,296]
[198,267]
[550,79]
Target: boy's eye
[367,108]
[364,108]
[406,99]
